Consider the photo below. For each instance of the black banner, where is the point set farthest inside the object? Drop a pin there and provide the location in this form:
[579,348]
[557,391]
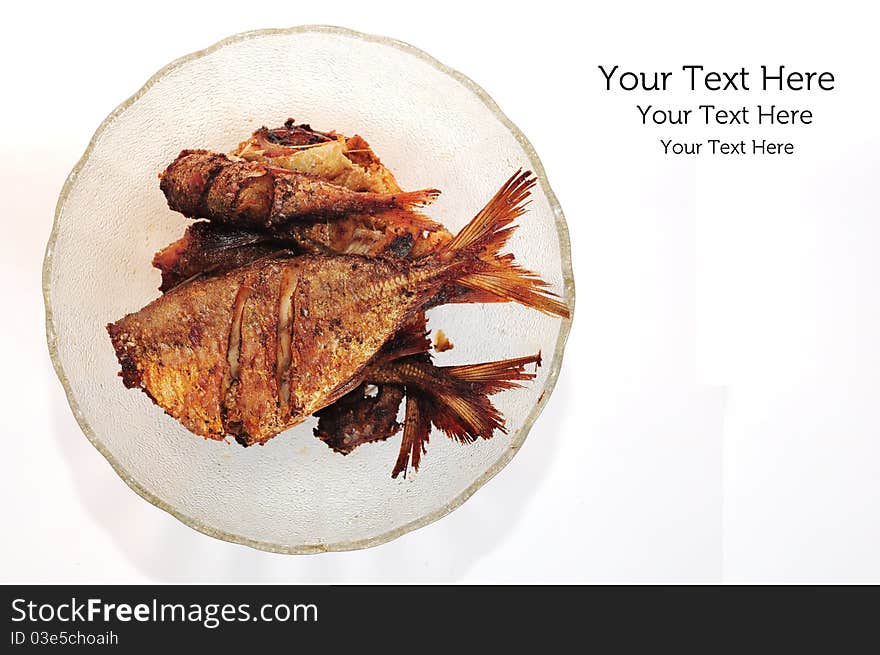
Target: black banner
[232,618]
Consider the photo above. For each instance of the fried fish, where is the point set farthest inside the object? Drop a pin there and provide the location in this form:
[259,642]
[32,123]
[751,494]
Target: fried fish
[204,184]
[207,247]
[255,350]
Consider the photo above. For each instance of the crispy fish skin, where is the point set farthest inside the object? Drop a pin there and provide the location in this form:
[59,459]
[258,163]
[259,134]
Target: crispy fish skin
[203,184]
[207,351]
[176,352]
[392,231]
[206,248]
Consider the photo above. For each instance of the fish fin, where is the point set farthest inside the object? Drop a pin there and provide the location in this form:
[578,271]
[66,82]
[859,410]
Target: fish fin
[416,432]
[492,377]
[408,199]
[510,282]
[478,245]
[456,397]
[465,415]
[489,230]
[475,296]
[410,339]
[464,411]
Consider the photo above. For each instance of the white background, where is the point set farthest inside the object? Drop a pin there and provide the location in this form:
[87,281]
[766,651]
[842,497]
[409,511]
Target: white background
[716,418]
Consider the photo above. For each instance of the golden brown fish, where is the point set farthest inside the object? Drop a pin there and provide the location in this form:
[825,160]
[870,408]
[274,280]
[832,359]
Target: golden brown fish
[208,247]
[257,349]
[203,184]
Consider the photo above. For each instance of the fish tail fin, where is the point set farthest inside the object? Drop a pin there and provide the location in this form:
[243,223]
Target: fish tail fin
[455,399]
[410,339]
[479,243]
[416,432]
[463,416]
[510,282]
[492,377]
[489,230]
[409,199]
[462,408]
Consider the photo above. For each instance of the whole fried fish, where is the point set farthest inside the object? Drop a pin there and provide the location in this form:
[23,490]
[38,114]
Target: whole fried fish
[253,351]
[204,184]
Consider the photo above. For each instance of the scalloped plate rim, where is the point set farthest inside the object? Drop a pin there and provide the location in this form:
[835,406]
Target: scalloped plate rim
[518,439]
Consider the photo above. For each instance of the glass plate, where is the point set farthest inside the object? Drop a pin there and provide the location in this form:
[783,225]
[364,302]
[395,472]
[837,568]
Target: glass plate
[433,128]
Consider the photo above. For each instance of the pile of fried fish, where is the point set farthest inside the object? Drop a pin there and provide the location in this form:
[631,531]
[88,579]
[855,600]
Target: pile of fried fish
[301,289]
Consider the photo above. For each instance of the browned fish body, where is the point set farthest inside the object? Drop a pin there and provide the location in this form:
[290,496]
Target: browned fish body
[203,184]
[349,162]
[401,233]
[490,278]
[255,350]
[207,248]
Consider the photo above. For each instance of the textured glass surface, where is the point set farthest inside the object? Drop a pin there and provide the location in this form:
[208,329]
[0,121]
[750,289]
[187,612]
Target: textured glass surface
[432,127]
